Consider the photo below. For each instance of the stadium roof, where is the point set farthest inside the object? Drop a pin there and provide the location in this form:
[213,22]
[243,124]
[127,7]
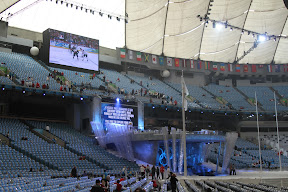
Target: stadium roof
[4,4]
[156,27]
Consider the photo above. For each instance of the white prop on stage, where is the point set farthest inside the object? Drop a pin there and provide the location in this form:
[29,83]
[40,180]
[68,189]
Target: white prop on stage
[99,133]
[181,154]
[120,135]
[166,144]
[173,131]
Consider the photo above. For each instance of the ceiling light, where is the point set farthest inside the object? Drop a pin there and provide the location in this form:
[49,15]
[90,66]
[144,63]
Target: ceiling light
[262,38]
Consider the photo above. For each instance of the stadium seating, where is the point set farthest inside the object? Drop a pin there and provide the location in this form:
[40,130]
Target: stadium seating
[231,96]
[6,80]
[24,67]
[264,95]
[82,144]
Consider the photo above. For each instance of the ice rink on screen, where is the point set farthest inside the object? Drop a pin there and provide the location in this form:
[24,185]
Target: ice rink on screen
[64,56]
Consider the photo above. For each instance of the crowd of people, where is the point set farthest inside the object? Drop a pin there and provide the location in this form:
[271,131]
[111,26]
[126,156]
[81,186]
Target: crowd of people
[151,173]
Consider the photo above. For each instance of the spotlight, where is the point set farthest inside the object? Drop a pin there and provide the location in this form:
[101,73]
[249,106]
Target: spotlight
[117,99]
[262,38]
[3,88]
[237,114]
[189,111]
[202,112]
[63,96]
[44,94]
[166,109]
[81,98]
[225,113]
[153,107]
[23,92]
[178,110]
[219,26]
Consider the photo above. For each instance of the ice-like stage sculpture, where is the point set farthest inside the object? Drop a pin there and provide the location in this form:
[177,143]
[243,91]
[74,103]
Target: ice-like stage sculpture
[99,133]
[173,131]
[166,144]
[118,134]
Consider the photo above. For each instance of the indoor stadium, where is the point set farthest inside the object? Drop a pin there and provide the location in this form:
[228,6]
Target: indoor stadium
[144,95]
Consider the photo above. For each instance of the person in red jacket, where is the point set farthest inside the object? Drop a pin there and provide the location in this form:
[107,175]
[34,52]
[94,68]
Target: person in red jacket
[162,169]
[44,86]
[61,88]
[37,85]
[119,186]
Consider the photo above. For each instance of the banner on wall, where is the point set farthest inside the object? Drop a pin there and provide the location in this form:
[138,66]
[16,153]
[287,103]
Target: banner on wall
[169,61]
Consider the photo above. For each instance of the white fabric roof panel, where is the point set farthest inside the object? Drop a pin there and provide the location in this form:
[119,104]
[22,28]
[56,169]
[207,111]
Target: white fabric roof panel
[183,29]
[187,37]
[146,26]
[281,53]
[4,4]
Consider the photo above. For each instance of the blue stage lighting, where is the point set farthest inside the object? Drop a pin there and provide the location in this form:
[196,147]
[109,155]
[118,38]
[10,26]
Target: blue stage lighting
[81,98]
[153,107]
[44,94]
[117,99]
[262,38]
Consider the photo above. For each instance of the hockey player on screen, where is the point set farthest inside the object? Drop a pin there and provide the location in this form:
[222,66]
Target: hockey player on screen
[75,53]
[84,54]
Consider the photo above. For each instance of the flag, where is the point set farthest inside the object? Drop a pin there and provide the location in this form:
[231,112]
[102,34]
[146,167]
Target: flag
[277,68]
[207,65]
[253,68]
[286,68]
[122,53]
[177,62]
[146,57]
[185,92]
[260,66]
[230,67]
[245,68]
[199,64]
[161,60]
[139,56]
[154,59]
[169,61]
[215,67]
[192,64]
[184,63]
[269,68]
[222,67]
[130,53]
[237,68]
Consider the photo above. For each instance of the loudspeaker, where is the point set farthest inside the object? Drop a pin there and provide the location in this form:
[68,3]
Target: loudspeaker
[286,3]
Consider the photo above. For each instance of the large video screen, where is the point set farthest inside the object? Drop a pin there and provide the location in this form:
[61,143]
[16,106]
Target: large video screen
[119,114]
[73,50]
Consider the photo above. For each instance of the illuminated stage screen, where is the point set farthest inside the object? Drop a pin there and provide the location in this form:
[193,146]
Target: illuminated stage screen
[73,50]
[119,114]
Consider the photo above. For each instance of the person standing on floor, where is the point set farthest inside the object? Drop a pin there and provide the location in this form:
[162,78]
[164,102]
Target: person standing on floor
[142,170]
[173,181]
[153,172]
[157,172]
[147,171]
[162,170]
